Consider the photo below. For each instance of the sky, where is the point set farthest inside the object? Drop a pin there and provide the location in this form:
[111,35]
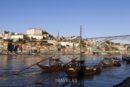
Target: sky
[97,17]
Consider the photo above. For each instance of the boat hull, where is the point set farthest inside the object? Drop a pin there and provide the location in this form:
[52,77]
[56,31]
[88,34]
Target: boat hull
[88,71]
[50,69]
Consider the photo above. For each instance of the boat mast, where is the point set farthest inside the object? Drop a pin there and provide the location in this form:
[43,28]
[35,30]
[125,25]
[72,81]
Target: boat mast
[73,49]
[81,63]
[80,41]
[58,45]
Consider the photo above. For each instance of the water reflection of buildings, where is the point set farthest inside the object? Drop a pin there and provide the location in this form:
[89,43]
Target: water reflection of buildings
[17,62]
[3,61]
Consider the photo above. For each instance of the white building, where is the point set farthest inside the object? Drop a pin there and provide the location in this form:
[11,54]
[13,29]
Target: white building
[54,42]
[34,31]
[6,36]
[68,44]
[38,37]
[17,36]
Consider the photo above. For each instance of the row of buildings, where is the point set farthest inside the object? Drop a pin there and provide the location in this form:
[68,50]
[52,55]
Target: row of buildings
[35,39]
[31,33]
[66,43]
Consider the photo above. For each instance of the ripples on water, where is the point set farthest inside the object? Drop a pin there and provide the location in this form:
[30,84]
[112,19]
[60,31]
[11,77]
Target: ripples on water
[33,77]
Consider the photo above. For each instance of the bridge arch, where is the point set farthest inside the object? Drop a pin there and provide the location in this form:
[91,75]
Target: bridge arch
[99,43]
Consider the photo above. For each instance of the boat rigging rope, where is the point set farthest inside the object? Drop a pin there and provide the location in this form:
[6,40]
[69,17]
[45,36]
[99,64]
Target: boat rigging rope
[19,72]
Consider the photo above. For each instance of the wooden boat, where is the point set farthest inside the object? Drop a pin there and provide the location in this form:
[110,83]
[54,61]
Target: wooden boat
[51,68]
[109,62]
[126,58]
[116,62]
[76,68]
[73,71]
[128,61]
[92,70]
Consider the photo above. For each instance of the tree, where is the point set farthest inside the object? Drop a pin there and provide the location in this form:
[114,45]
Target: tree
[26,38]
[20,41]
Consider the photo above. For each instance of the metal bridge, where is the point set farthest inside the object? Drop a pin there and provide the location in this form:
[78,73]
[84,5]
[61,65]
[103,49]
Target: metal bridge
[101,40]
[110,37]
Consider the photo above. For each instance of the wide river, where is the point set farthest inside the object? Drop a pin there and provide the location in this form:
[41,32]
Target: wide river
[33,77]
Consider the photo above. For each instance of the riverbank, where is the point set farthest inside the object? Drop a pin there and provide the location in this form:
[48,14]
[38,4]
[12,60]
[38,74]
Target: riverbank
[55,53]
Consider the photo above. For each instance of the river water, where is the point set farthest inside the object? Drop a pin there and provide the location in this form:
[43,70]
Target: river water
[33,77]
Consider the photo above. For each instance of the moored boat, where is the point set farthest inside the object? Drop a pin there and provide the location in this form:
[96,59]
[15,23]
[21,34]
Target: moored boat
[126,58]
[73,71]
[116,62]
[52,68]
[109,62]
[57,66]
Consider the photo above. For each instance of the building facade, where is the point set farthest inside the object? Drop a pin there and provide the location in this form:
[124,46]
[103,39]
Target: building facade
[34,31]
[17,36]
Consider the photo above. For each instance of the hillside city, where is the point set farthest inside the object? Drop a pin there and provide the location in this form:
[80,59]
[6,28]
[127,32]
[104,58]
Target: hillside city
[40,41]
